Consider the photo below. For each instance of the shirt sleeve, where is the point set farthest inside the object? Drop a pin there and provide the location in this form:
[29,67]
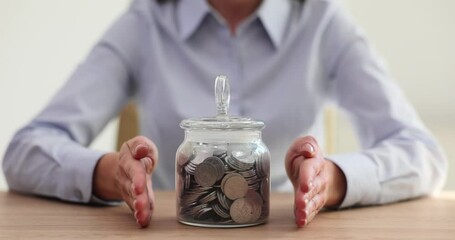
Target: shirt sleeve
[399,158]
[50,156]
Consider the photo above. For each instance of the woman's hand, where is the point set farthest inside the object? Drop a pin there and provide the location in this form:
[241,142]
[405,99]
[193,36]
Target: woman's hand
[317,182]
[126,175]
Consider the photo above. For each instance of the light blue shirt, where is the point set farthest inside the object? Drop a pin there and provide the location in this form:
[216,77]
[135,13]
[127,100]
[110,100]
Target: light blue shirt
[286,62]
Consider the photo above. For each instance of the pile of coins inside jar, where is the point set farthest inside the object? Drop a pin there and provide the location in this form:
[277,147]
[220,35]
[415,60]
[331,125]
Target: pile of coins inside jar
[227,185]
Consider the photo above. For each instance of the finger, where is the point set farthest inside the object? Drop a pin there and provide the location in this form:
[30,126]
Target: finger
[147,164]
[142,209]
[145,205]
[307,172]
[300,204]
[318,186]
[141,201]
[305,197]
[141,147]
[135,172]
[139,180]
[306,215]
[132,179]
[314,207]
[312,176]
[124,186]
[305,146]
[305,201]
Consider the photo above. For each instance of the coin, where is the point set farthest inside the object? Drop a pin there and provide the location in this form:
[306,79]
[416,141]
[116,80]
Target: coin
[248,173]
[204,213]
[218,164]
[220,211]
[234,186]
[223,184]
[191,196]
[210,197]
[221,153]
[201,153]
[265,188]
[205,174]
[241,211]
[190,167]
[223,200]
[262,165]
[241,160]
[256,202]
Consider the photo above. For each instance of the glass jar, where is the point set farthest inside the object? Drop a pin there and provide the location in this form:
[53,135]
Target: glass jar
[222,169]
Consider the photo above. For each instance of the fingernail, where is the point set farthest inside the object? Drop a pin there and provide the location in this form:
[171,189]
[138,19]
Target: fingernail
[148,165]
[307,147]
[301,222]
[137,148]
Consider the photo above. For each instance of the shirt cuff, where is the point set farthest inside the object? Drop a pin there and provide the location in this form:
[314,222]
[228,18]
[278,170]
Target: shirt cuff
[361,178]
[76,175]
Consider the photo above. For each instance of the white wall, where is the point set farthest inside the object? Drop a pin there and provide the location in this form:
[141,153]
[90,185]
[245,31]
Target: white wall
[41,42]
[416,37]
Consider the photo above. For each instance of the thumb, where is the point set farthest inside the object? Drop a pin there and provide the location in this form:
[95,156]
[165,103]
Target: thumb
[143,148]
[304,146]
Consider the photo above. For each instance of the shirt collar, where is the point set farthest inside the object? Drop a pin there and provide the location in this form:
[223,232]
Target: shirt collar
[272,13]
[274,16]
[190,15]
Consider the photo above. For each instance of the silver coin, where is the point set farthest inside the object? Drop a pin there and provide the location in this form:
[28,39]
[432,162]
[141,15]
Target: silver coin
[204,213]
[220,153]
[208,198]
[190,198]
[201,153]
[241,160]
[220,211]
[262,165]
[252,180]
[254,186]
[223,200]
[241,211]
[218,164]
[257,202]
[187,180]
[248,173]
[190,167]
[206,174]
[234,186]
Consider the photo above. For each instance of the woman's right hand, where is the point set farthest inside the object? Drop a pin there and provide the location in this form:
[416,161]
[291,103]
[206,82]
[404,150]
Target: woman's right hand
[126,175]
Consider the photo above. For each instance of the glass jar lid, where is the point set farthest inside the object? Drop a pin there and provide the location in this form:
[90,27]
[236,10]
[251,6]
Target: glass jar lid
[222,121]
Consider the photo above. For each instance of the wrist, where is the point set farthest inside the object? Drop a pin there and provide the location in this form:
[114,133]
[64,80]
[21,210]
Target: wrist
[103,183]
[336,185]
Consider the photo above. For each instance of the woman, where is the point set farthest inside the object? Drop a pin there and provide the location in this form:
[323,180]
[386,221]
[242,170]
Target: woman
[285,59]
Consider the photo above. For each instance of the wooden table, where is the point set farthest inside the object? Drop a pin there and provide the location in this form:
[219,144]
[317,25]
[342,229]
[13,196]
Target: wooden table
[28,217]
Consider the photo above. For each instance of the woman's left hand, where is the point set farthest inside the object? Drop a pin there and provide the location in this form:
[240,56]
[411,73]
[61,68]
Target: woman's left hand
[317,182]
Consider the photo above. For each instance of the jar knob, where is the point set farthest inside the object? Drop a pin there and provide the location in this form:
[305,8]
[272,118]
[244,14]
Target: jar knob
[222,95]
